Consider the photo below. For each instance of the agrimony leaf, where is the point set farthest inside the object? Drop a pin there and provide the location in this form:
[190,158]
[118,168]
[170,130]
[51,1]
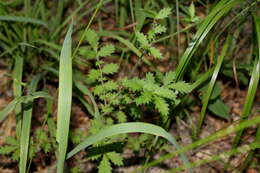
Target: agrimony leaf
[169,77]
[106,51]
[104,166]
[110,68]
[115,158]
[92,38]
[144,98]
[155,53]
[94,75]
[162,106]
[181,86]
[142,39]
[165,12]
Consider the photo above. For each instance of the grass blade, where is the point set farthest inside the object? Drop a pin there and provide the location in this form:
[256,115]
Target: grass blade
[23,20]
[251,95]
[127,128]
[207,95]
[26,127]
[223,7]
[8,109]
[64,99]
[86,91]
[19,100]
[243,149]
[17,88]
[221,133]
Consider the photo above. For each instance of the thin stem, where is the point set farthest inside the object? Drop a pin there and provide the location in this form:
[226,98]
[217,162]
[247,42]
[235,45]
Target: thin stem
[90,22]
[136,65]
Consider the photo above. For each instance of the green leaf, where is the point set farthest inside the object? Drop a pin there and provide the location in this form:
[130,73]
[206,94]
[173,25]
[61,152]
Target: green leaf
[8,149]
[104,166]
[165,12]
[158,29]
[121,116]
[64,100]
[182,87]
[26,124]
[127,128]
[12,141]
[110,68]
[106,51]
[142,39]
[115,158]
[155,53]
[166,93]
[87,53]
[192,10]
[103,88]
[162,106]
[23,99]
[23,20]
[133,84]
[149,77]
[220,109]
[144,98]
[92,38]
[94,75]
[169,77]
[215,93]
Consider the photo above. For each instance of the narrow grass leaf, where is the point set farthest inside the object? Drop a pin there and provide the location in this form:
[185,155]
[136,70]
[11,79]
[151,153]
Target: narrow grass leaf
[17,88]
[86,91]
[26,127]
[127,128]
[19,100]
[221,133]
[222,8]
[64,100]
[240,150]
[207,95]
[251,94]
[23,20]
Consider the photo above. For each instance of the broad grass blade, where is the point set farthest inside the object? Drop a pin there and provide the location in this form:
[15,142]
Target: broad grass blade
[64,99]
[127,128]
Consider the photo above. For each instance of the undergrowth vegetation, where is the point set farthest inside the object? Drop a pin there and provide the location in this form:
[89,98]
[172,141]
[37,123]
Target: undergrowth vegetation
[135,69]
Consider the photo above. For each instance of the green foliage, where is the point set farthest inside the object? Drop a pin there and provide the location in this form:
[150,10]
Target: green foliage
[105,165]
[43,140]
[216,105]
[106,51]
[192,14]
[12,147]
[146,41]
[162,14]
